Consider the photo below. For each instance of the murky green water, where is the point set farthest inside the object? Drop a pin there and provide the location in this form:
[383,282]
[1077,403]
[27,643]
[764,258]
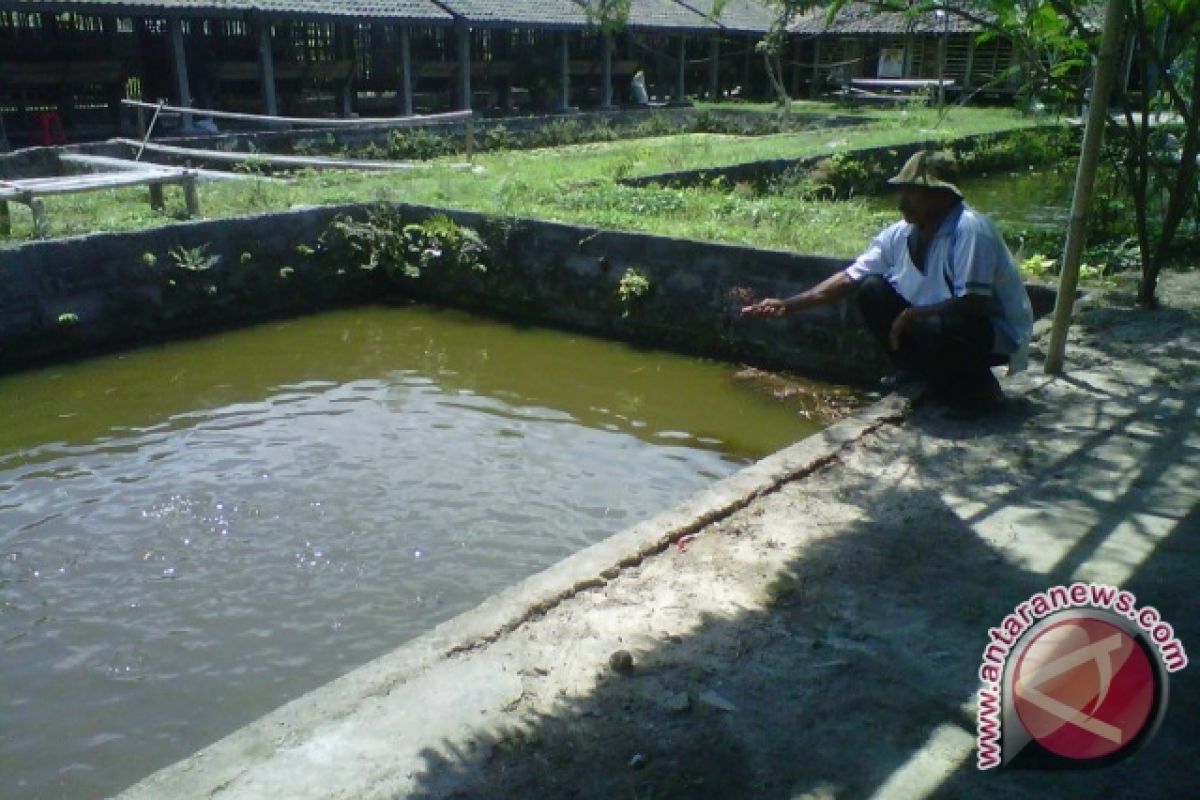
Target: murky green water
[193,534]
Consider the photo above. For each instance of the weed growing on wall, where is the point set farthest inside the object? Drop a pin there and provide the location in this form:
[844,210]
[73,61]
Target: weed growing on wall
[407,250]
[193,259]
[632,290]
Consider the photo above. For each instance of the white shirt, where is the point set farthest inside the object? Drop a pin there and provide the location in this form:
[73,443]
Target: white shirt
[967,256]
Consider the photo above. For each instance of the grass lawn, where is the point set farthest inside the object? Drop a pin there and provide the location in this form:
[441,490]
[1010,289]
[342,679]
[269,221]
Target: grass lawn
[578,184]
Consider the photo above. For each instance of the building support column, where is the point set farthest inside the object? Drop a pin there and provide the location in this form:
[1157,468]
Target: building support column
[345,35]
[183,92]
[970,66]
[680,96]
[815,88]
[606,82]
[463,40]
[564,74]
[405,92]
[266,68]
[714,69]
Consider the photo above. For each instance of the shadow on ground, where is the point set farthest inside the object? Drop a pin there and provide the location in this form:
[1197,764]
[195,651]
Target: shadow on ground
[855,675]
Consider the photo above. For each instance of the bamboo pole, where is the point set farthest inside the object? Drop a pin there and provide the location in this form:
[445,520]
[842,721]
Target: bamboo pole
[1085,178]
[287,162]
[314,122]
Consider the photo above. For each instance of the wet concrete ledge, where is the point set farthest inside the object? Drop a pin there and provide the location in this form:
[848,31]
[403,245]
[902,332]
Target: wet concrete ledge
[367,734]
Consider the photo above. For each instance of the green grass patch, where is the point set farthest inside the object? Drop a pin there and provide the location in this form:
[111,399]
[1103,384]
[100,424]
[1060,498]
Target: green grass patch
[578,184]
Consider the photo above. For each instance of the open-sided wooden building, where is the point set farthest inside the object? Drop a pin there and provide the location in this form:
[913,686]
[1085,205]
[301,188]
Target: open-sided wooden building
[863,44]
[66,64]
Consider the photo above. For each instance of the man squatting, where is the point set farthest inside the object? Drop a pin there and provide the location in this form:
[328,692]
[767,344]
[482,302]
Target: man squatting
[939,291]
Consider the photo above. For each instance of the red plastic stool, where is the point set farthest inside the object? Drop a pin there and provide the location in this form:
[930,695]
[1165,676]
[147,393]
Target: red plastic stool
[51,128]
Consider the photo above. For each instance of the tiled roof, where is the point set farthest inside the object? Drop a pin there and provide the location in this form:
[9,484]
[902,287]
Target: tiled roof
[559,14]
[408,10]
[862,19]
[737,16]
[663,15]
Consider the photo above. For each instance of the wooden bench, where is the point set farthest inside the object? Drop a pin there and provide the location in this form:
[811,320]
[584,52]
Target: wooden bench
[30,191]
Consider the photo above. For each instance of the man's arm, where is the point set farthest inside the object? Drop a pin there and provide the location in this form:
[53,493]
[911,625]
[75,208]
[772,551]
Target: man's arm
[830,290]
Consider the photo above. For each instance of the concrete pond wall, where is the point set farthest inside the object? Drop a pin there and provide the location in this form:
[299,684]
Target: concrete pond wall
[510,131]
[70,297]
[872,165]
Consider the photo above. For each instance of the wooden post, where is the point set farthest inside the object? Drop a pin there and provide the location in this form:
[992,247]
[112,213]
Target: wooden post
[564,73]
[5,219]
[714,69]
[941,57]
[816,69]
[797,72]
[266,68]
[680,97]
[114,91]
[1085,178]
[606,83]
[464,66]
[406,82]
[970,66]
[156,197]
[190,198]
[345,37]
[41,229]
[183,92]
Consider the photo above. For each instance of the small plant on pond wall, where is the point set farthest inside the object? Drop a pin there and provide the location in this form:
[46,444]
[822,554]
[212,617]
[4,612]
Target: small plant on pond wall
[194,259]
[632,289]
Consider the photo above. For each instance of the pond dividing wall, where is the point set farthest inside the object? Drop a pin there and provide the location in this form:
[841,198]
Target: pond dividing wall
[69,297]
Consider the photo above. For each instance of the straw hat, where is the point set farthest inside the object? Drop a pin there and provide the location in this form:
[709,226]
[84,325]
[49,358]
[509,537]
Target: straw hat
[932,170]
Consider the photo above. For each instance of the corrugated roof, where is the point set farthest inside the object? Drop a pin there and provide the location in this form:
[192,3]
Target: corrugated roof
[863,19]
[737,16]
[664,15]
[556,14]
[422,11]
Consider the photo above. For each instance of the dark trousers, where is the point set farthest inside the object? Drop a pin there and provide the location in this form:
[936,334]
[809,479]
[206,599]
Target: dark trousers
[952,352]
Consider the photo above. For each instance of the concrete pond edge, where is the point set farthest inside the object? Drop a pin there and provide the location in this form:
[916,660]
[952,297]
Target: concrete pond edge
[219,765]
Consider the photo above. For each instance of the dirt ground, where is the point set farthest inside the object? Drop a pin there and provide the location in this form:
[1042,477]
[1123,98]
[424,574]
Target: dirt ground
[824,641]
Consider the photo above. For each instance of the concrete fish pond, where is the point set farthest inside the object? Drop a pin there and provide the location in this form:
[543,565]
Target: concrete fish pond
[197,533]
[67,297]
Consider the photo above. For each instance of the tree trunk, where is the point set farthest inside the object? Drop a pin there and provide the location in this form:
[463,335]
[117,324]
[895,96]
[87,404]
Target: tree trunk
[1182,194]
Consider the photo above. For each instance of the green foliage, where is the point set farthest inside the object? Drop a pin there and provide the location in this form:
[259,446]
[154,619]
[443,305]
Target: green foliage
[610,16]
[646,201]
[632,289]
[420,144]
[68,319]
[499,137]
[1025,148]
[1039,266]
[193,259]
[149,259]
[407,249]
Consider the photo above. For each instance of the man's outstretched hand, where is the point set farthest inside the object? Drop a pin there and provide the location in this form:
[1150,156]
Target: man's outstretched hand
[770,307]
